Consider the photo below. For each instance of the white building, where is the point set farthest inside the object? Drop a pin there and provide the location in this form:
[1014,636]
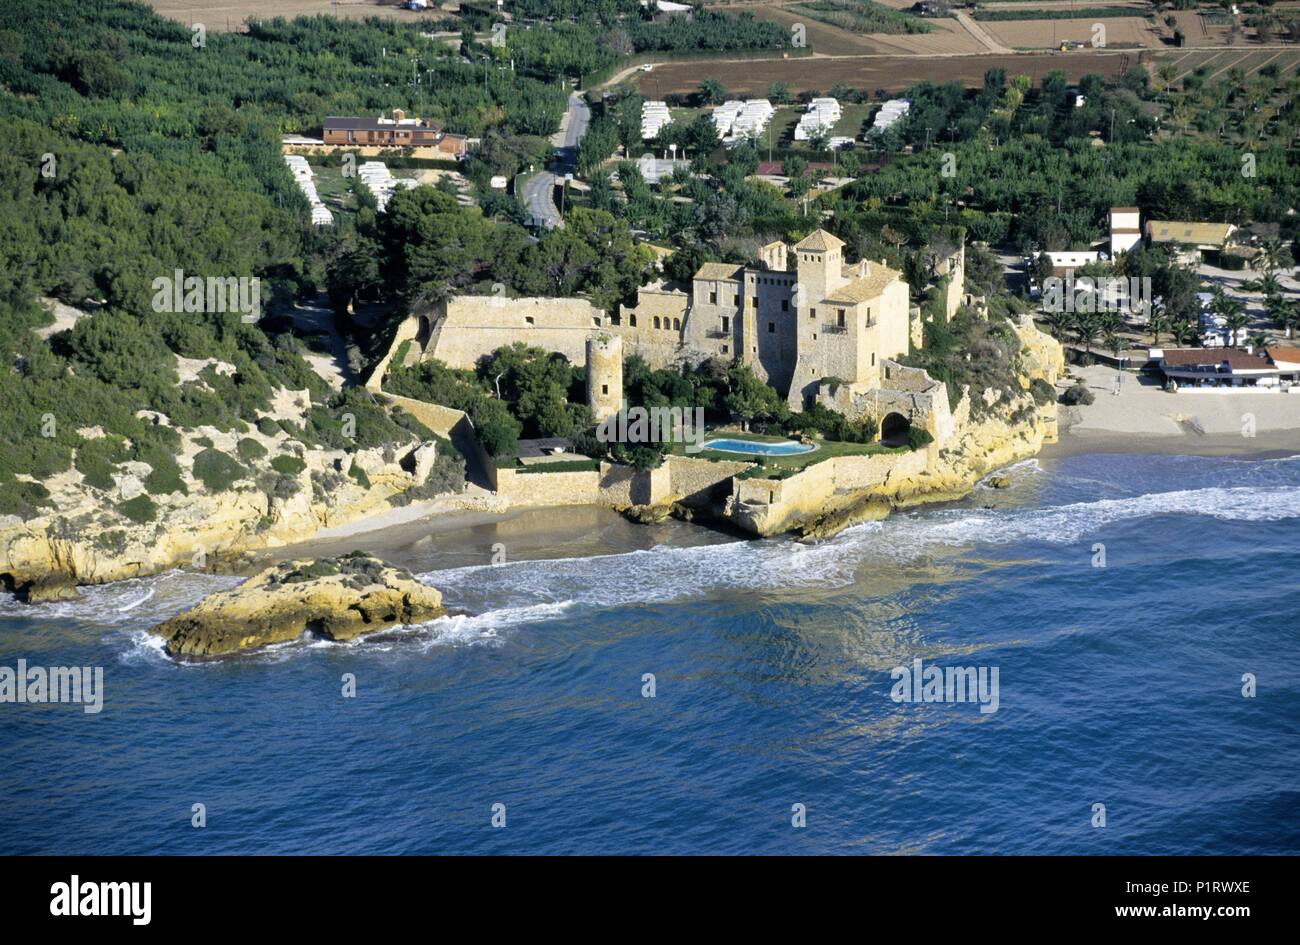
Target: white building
[890,114]
[822,115]
[376,177]
[654,118]
[1125,229]
[737,120]
[302,175]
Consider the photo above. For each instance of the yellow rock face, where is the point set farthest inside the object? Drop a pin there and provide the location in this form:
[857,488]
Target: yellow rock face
[335,598]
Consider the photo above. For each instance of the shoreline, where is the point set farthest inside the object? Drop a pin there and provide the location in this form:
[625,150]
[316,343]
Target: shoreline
[1273,444]
[466,538]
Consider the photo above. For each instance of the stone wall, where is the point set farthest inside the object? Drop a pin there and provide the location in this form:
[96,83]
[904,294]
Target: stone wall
[693,480]
[407,330]
[612,485]
[770,506]
[464,328]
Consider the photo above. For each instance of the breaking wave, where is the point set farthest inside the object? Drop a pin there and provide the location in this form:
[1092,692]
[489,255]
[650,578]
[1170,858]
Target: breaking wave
[495,599]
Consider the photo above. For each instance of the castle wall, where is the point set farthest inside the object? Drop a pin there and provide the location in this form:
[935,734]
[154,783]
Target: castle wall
[693,480]
[768,506]
[467,327]
[611,485]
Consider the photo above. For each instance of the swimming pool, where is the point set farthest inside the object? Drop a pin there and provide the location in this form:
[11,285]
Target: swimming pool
[753,447]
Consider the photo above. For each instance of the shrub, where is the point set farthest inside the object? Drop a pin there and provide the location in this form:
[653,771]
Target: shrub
[24,499]
[359,474]
[249,450]
[1078,395]
[216,470]
[918,438]
[140,510]
[268,427]
[288,465]
[1043,392]
[97,460]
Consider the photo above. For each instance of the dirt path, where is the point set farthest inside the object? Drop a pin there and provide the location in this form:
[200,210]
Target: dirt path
[980,34]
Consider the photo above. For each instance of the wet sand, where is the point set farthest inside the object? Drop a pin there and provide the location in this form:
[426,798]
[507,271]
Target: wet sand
[464,539]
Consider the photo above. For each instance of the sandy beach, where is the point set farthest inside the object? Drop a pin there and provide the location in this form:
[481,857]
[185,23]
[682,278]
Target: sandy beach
[1143,418]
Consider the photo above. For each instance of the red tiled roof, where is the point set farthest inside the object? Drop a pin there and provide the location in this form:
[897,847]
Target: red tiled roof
[1236,358]
[1289,355]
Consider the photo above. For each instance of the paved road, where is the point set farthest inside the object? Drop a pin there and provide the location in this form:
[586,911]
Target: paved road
[539,190]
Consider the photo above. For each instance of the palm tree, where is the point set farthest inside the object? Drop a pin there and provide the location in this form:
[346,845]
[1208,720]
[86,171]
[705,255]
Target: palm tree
[1236,320]
[1109,325]
[1277,307]
[1183,330]
[1270,252]
[1288,316]
[1160,321]
[1267,283]
[1087,328]
[1059,322]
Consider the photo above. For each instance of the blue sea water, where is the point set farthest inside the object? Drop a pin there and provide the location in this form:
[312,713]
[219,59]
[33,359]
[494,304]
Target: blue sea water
[1119,686]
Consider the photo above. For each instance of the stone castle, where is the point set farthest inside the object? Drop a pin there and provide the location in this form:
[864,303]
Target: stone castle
[823,331]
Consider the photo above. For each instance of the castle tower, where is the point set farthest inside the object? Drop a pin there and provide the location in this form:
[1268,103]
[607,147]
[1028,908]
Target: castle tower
[604,375]
[820,262]
[772,257]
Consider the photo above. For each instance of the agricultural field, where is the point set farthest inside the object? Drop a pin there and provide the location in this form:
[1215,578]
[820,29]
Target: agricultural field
[226,15]
[1220,61]
[1128,31]
[891,73]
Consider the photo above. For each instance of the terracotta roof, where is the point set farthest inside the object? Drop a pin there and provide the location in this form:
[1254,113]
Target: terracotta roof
[867,287]
[1196,234]
[1236,358]
[715,271]
[819,241]
[1289,355]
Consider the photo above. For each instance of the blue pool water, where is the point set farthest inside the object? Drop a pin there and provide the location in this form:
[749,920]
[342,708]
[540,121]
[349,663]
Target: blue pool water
[754,447]
[1119,685]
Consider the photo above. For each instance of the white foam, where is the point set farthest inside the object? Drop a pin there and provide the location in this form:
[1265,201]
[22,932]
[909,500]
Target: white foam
[502,597]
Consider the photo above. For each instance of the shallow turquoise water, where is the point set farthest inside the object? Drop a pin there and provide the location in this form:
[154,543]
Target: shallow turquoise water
[1119,685]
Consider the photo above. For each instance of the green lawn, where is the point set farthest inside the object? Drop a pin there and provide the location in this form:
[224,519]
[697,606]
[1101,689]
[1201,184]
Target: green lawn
[781,466]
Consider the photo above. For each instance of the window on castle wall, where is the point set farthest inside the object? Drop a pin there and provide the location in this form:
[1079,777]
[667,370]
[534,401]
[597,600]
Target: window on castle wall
[812,313]
[604,389]
[755,302]
[726,323]
[840,318]
[530,320]
[595,322]
[656,321]
[771,328]
[631,321]
[873,359]
[713,298]
[677,324]
[735,298]
[785,305]
[724,349]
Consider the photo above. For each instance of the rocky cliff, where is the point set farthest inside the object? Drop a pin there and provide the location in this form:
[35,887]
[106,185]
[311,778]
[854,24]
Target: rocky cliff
[280,491]
[335,598]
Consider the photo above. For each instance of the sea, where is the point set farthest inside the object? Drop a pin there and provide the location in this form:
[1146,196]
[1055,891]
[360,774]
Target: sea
[1128,627]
